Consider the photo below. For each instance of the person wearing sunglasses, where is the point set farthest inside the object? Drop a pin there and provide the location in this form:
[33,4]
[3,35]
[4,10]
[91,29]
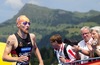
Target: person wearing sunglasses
[21,44]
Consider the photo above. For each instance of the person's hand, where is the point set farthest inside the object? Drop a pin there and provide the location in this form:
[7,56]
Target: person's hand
[94,43]
[62,59]
[89,47]
[41,63]
[76,48]
[22,58]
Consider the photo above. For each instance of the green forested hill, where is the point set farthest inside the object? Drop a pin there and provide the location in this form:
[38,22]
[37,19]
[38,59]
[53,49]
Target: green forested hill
[46,21]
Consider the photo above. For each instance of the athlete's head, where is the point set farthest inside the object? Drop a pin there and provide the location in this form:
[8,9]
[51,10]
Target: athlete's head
[22,18]
[23,23]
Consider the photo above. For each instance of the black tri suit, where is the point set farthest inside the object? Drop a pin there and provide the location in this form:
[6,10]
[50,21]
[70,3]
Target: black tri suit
[24,48]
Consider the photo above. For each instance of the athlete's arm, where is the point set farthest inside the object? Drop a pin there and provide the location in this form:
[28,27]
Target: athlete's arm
[7,51]
[36,50]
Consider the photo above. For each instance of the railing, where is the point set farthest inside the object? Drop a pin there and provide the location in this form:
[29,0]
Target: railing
[79,62]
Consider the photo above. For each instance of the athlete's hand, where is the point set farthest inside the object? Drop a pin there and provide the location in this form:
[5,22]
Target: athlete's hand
[41,63]
[23,58]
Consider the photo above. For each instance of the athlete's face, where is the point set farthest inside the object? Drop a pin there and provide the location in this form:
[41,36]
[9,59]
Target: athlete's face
[24,26]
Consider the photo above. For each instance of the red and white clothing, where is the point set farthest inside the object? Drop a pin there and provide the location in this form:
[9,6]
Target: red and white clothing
[69,51]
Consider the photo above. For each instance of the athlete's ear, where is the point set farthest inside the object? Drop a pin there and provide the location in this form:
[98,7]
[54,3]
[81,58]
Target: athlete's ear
[17,24]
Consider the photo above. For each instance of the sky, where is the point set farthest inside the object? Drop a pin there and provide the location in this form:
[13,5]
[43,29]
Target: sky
[9,8]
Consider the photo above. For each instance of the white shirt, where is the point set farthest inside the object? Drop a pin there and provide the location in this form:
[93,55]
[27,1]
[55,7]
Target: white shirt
[83,45]
[69,51]
[59,53]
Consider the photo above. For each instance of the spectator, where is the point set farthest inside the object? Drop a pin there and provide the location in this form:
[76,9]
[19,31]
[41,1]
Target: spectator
[62,52]
[82,48]
[95,31]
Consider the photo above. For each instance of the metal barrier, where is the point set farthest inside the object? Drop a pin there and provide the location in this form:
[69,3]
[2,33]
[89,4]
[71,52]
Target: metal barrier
[79,62]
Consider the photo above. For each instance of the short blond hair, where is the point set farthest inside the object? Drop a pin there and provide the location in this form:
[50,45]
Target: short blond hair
[22,18]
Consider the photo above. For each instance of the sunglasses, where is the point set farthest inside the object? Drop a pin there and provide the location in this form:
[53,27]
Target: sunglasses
[25,23]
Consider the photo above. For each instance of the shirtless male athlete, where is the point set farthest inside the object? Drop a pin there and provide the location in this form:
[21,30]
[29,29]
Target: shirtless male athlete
[21,44]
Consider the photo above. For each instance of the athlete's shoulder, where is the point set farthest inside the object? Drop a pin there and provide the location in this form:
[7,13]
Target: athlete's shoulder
[11,37]
[32,35]
[33,39]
